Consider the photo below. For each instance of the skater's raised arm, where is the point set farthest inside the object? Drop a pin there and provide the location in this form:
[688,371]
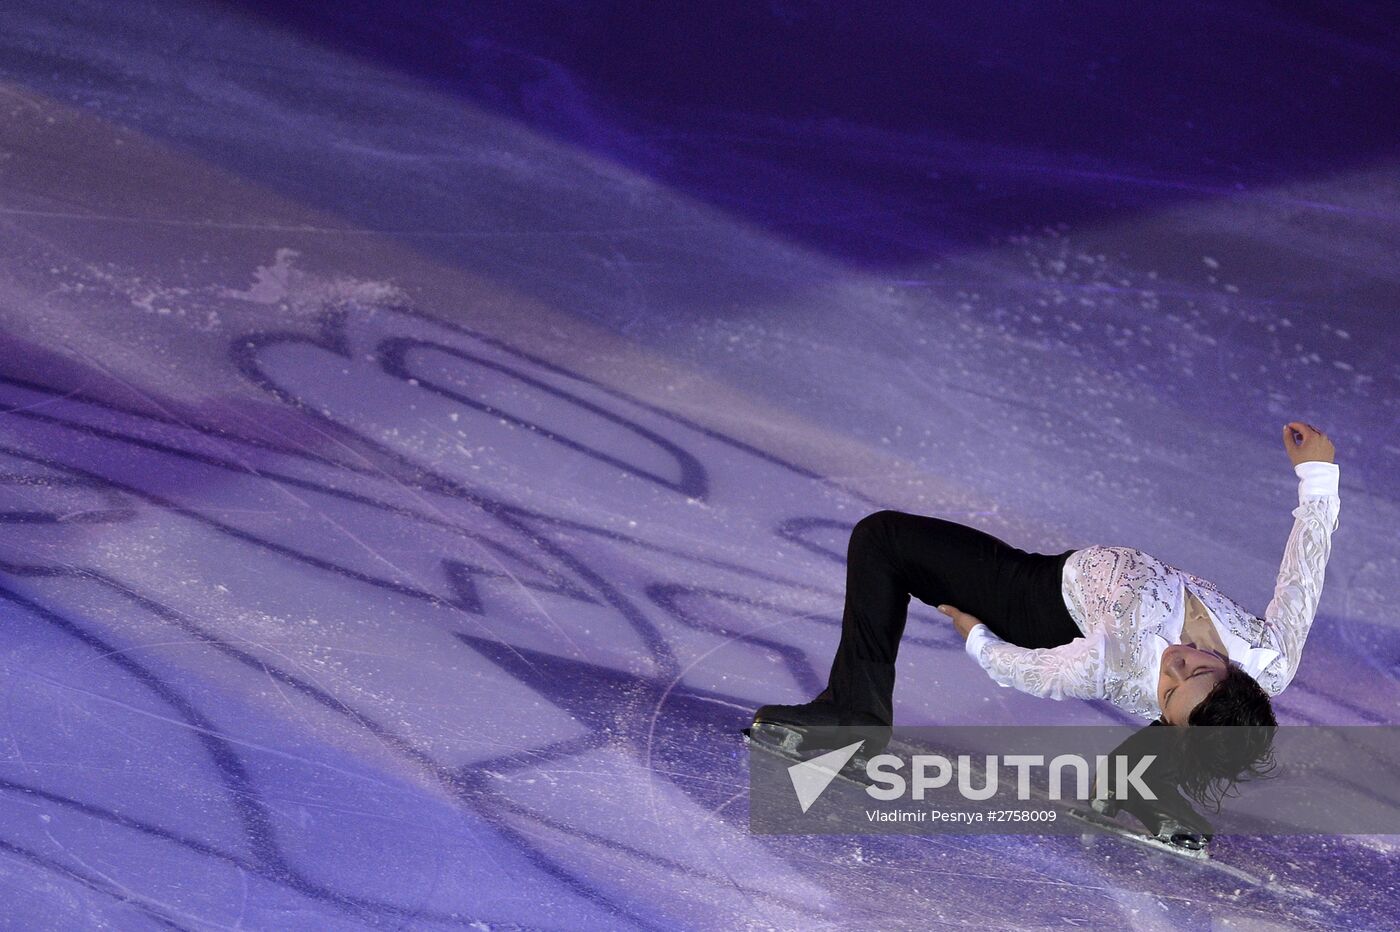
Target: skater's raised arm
[1299,585]
[1074,669]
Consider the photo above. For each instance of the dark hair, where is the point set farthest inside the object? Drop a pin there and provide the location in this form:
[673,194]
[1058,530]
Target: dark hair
[1236,744]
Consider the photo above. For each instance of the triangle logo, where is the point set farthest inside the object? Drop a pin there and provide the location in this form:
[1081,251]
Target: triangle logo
[811,778]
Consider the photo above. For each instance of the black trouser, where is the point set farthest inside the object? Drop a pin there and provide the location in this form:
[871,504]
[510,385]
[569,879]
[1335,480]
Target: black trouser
[893,555]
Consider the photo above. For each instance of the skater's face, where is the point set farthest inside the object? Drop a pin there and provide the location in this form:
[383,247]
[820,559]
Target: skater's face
[1188,675]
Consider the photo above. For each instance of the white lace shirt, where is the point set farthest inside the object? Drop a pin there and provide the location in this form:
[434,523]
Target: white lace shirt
[1130,607]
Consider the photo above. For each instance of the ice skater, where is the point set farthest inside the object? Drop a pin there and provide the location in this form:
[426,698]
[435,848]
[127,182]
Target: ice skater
[1102,622]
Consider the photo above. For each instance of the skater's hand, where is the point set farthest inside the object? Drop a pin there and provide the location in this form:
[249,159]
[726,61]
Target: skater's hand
[961,620]
[1305,443]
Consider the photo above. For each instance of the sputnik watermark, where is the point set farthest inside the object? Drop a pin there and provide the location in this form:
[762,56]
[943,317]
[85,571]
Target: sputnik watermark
[936,772]
[966,779]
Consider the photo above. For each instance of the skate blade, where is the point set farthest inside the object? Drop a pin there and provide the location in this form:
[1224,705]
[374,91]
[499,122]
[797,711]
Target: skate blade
[1170,832]
[779,737]
[791,741]
[1196,850]
[779,742]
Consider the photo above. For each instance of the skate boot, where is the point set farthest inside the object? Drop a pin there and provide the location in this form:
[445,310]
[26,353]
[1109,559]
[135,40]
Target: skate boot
[818,725]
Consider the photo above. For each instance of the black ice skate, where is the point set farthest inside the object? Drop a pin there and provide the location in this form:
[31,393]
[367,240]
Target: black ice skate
[1168,822]
[800,731]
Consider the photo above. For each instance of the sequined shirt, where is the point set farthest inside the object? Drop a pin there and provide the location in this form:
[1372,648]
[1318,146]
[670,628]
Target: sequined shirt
[1129,606]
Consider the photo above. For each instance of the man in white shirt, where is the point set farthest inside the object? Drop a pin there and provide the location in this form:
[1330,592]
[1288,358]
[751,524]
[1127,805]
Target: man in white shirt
[1159,642]
[1096,623]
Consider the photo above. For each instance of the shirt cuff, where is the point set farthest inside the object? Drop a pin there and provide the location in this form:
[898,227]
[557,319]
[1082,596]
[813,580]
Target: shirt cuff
[979,635]
[1317,478]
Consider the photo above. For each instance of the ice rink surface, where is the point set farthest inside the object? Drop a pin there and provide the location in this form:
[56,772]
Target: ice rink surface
[429,434]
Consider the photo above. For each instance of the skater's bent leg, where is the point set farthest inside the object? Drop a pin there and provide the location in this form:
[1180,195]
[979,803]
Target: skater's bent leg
[872,621]
[893,555]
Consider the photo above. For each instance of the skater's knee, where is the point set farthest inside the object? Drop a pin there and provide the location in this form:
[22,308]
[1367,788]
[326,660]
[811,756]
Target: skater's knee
[867,529]
[878,518]
[872,524]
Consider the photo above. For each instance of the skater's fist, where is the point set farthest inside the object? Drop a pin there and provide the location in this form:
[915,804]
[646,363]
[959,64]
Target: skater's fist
[961,620]
[1305,443]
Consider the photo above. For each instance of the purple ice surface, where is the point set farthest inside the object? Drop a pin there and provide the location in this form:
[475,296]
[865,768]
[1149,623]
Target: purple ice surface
[429,433]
